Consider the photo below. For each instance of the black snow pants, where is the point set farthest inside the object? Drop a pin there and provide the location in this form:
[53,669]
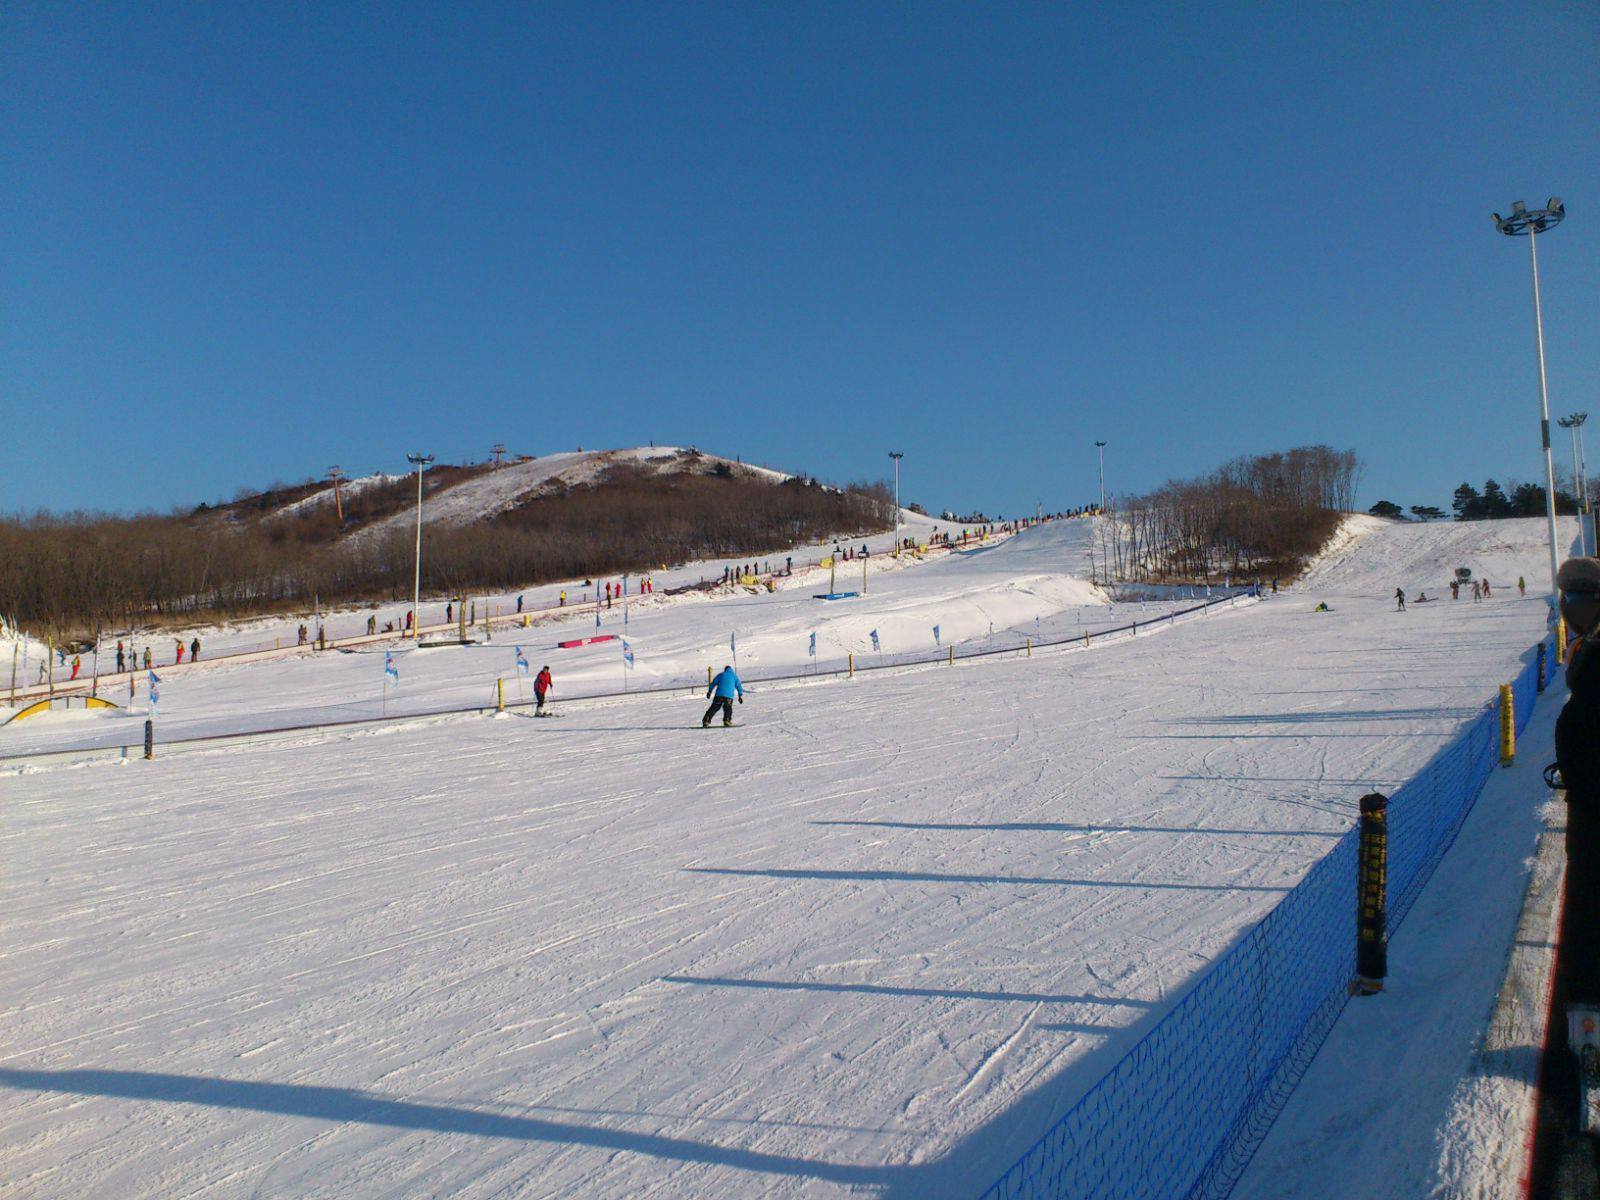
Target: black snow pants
[725,703]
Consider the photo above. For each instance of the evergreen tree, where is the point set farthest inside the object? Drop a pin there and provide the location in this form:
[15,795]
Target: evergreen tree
[1496,504]
[1468,505]
[1386,508]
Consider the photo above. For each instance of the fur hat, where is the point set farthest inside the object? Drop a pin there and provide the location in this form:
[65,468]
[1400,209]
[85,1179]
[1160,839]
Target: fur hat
[1579,575]
[1579,581]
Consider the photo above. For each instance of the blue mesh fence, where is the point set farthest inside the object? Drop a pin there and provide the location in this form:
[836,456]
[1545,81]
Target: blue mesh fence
[1183,1111]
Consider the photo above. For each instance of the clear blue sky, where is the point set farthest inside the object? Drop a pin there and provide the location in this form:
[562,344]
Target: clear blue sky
[243,242]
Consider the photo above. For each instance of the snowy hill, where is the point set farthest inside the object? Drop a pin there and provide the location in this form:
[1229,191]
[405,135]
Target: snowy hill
[1371,556]
[486,493]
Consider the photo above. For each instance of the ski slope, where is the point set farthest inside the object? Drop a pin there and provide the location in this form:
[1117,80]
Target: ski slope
[1010,583]
[868,943]
[266,633]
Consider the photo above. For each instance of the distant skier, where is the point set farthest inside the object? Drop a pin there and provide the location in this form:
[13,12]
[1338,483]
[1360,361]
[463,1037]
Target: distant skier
[563,598]
[147,658]
[1477,592]
[449,612]
[76,664]
[301,634]
[519,603]
[1399,599]
[542,683]
[1522,586]
[1487,591]
[194,650]
[179,642]
[722,691]
[1455,590]
[121,659]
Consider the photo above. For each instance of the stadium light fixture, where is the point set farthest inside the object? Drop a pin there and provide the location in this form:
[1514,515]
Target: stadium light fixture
[1523,222]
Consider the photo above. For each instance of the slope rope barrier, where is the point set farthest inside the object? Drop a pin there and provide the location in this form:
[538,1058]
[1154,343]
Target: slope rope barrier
[1015,642]
[1181,1114]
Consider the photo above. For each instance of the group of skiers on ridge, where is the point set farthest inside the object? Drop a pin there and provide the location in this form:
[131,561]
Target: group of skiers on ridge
[1481,590]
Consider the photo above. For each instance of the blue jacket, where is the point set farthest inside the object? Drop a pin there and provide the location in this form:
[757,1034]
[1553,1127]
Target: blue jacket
[725,685]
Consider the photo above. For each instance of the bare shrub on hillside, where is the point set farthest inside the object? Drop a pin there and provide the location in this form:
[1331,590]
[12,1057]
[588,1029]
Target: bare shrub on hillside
[71,573]
[1265,514]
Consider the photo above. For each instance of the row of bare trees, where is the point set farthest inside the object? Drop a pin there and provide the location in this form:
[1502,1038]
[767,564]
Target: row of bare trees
[1264,514]
[69,574]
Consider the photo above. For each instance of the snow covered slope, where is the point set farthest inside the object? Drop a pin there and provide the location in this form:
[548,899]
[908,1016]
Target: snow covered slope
[1018,582]
[492,492]
[869,943]
[1423,557]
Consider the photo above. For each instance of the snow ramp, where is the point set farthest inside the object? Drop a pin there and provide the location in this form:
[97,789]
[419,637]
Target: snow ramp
[1378,556]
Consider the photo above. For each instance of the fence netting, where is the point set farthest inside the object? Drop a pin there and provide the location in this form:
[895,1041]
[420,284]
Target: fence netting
[1183,1111]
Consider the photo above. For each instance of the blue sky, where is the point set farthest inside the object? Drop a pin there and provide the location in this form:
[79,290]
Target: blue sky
[240,243]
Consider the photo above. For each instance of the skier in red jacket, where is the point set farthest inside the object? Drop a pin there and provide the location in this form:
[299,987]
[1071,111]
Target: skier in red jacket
[542,683]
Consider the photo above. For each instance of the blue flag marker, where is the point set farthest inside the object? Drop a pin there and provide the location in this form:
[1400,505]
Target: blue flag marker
[936,635]
[813,645]
[875,645]
[389,669]
[627,653]
[522,663]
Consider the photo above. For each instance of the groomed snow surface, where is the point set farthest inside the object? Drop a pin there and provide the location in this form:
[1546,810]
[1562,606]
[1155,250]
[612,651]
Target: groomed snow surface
[871,942]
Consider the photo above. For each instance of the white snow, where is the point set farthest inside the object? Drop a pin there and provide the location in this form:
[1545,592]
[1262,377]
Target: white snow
[486,495]
[349,487]
[868,943]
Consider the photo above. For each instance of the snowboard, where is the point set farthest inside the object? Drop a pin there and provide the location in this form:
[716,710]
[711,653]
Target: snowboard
[720,725]
[1583,1035]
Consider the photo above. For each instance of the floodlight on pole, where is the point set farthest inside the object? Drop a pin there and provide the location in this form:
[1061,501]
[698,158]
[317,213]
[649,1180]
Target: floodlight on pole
[420,461]
[1520,222]
[1101,446]
[1572,423]
[897,456]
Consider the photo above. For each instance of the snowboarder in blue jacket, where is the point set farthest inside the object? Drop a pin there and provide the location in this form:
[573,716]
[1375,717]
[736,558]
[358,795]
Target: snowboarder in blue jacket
[722,691]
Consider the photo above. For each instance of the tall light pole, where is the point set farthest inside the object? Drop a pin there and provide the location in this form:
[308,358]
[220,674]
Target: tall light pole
[1583,484]
[897,456]
[421,461]
[1101,446]
[1573,423]
[1519,222]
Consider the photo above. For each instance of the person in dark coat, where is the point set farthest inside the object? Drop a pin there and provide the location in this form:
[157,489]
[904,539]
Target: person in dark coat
[1578,756]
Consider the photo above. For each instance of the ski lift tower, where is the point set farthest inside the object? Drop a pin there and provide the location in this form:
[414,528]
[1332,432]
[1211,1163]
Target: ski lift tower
[499,452]
[1522,222]
[336,474]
